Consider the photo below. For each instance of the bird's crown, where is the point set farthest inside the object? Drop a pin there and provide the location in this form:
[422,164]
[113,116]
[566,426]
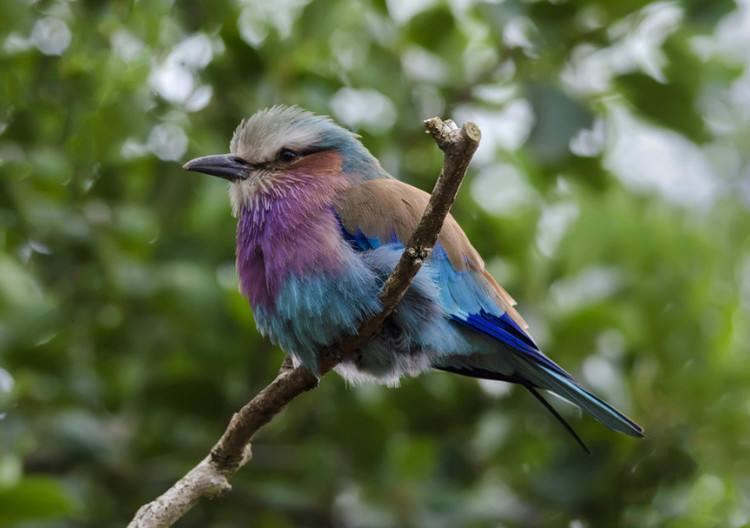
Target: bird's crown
[273,132]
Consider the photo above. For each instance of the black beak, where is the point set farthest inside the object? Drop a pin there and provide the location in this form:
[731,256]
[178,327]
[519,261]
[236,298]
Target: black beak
[225,166]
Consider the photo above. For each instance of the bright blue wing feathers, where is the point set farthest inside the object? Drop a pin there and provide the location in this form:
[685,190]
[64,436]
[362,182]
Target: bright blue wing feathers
[505,330]
[466,298]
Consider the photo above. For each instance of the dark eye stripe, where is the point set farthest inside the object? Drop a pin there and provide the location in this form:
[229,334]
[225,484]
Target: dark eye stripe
[261,165]
[311,150]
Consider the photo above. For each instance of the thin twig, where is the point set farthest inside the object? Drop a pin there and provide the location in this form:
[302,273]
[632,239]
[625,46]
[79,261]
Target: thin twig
[211,476]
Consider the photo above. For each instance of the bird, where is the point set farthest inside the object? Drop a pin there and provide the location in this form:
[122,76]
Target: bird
[321,225]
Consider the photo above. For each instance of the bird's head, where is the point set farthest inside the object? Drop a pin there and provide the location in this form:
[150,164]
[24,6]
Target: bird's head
[284,145]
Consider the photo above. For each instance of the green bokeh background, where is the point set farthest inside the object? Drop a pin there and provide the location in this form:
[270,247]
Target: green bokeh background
[610,197]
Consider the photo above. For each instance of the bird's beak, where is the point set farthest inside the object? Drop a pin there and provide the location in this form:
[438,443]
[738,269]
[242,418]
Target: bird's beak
[225,166]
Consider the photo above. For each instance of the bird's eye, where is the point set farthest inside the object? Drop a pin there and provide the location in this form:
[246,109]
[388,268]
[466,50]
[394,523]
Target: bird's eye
[287,155]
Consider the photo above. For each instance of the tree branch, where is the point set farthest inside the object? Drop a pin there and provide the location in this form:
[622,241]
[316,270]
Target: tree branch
[210,477]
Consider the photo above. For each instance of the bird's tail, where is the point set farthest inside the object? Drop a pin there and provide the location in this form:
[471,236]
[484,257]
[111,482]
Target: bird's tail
[566,387]
[533,375]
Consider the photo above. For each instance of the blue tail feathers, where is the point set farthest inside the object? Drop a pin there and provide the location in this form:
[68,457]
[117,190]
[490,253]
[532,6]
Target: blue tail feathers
[569,389]
[520,361]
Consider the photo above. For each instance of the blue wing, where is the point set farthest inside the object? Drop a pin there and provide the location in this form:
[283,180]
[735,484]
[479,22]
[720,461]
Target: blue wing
[384,213]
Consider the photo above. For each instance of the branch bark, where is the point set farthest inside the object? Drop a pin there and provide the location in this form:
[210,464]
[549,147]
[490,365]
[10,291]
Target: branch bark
[210,477]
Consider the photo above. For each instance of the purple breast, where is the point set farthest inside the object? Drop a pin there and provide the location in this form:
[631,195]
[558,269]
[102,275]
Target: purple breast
[290,229]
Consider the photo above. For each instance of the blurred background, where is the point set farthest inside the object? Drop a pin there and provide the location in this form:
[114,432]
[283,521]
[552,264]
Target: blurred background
[610,196]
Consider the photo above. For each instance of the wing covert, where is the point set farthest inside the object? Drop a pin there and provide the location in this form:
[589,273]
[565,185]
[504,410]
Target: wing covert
[386,211]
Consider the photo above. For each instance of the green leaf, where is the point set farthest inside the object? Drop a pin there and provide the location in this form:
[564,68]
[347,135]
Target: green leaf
[35,498]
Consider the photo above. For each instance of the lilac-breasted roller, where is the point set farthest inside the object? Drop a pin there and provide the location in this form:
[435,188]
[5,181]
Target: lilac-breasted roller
[320,225]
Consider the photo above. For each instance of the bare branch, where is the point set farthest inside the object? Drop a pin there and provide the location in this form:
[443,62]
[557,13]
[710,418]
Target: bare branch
[204,480]
[211,476]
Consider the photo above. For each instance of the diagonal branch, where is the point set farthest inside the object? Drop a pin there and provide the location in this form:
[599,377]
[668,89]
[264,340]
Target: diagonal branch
[211,476]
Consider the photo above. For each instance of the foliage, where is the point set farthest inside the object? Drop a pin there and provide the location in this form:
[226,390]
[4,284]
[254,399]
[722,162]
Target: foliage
[610,196]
